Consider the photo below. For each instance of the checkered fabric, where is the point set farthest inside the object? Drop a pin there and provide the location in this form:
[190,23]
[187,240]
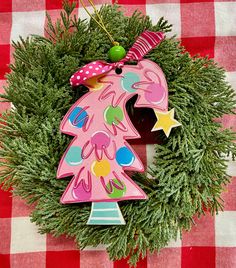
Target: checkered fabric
[205,27]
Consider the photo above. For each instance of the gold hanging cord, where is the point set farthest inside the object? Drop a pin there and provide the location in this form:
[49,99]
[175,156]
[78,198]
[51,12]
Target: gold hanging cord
[100,22]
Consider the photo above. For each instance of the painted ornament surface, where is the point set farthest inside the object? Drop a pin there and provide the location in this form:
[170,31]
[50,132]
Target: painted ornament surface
[99,154]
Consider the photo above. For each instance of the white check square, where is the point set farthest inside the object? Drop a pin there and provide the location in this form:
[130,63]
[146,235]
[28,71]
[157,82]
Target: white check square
[225,229]
[84,15]
[27,23]
[175,243]
[225,18]
[171,12]
[25,236]
[231,168]
[231,78]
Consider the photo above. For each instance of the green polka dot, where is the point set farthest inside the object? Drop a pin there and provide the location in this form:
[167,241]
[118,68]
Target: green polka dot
[111,114]
[117,193]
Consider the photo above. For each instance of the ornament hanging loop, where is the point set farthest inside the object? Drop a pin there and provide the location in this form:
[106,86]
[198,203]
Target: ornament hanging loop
[99,21]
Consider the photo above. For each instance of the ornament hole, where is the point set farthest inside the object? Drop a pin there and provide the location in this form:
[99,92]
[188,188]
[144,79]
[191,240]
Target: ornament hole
[118,70]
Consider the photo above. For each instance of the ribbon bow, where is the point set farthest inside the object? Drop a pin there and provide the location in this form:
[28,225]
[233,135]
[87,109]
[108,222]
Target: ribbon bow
[144,43]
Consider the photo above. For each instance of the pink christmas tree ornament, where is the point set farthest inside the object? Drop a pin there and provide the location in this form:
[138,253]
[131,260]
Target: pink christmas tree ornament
[99,154]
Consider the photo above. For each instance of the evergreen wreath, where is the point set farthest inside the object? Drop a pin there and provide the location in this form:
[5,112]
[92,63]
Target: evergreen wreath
[188,173]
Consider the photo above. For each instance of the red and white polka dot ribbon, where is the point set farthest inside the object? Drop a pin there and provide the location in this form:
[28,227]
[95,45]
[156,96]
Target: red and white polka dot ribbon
[144,43]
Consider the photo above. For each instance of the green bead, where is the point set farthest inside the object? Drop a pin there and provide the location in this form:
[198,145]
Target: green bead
[116,53]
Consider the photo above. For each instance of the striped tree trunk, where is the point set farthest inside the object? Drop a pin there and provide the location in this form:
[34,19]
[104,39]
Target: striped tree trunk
[105,213]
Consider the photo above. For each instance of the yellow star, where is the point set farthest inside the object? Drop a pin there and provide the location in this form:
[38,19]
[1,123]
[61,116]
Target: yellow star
[165,121]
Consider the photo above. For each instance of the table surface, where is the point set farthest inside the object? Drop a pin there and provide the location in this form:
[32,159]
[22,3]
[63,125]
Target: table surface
[205,27]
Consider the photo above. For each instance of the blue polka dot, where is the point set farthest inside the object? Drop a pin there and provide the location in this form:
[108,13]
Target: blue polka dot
[124,157]
[128,80]
[78,117]
[73,156]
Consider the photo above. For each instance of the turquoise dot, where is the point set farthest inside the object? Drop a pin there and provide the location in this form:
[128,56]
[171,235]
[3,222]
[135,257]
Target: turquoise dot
[128,80]
[73,156]
[124,157]
[78,117]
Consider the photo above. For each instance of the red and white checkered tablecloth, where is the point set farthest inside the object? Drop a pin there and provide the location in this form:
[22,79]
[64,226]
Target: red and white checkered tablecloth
[205,27]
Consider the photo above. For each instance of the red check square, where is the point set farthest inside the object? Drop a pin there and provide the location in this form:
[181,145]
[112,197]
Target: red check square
[195,1]
[3,107]
[192,17]
[5,27]
[225,52]
[129,9]
[123,263]
[161,1]
[204,46]
[20,208]
[225,257]
[96,3]
[26,5]
[5,234]
[167,257]
[198,257]
[5,260]
[12,51]
[229,196]
[63,259]
[95,258]
[5,6]
[132,2]
[6,204]
[55,4]
[228,121]
[55,15]
[59,243]
[201,234]
[28,260]
[5,60]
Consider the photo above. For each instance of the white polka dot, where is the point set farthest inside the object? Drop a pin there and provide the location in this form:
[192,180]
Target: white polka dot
[81,71]
[77,84]
[87,72]
[93,73]
[90,67]
[103,71]
[78,77]
[96,69]
[94,62]
[84,78]
[72,76]
[71,82]
[100,66]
